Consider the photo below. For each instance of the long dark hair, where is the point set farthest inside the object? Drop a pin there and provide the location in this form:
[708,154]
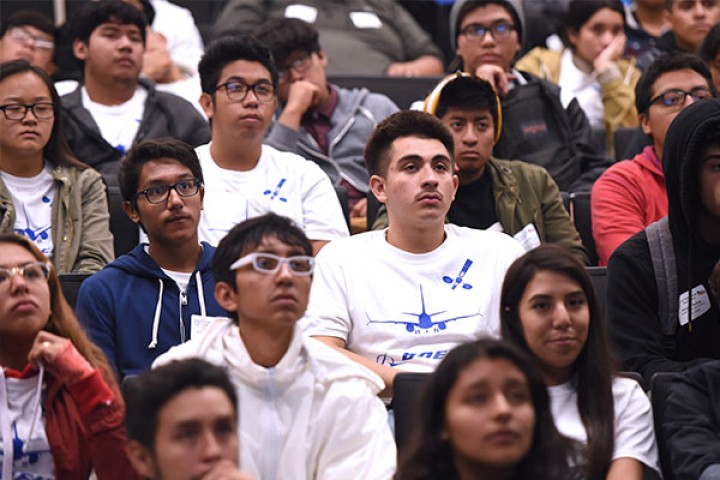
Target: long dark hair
[56,152]
[595,367]
[429,456]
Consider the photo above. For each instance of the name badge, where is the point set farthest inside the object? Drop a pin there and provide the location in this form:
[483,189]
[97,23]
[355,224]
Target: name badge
[528,237]
[700,304]
[365,20]
[303,12]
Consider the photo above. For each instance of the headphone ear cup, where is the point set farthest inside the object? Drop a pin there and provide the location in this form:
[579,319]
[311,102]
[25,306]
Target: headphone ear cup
[498,127]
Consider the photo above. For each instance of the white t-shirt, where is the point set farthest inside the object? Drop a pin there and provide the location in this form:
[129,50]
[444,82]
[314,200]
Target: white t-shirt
[408,310]
[634,431]
[583,86]
[32,455]
[33,200]
[282,182]
[118,124]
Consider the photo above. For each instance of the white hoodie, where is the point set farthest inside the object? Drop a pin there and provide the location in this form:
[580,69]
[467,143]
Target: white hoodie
[313,416]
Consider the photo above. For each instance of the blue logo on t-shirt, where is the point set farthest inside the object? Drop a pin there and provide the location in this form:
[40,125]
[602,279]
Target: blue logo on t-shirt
[275,193]
[458,280]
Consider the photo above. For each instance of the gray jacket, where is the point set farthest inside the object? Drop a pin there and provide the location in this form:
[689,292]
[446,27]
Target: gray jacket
[357,113]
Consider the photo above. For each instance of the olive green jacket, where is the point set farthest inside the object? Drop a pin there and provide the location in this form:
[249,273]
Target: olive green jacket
[525,193]
[82,241]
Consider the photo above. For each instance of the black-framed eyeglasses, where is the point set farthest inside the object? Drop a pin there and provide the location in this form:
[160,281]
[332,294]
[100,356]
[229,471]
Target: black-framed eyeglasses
[300,265]
[160,193]
[17,111]
[31,272]
[499,31]
[237,90]
[676,97]
[299,65]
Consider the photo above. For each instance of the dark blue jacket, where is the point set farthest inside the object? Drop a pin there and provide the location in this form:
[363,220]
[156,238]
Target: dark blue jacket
[128,317]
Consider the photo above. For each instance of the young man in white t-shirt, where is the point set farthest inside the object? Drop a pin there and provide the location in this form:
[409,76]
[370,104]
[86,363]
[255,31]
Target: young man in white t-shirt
[113,108]
[162,292]
[401,298]
[245,178]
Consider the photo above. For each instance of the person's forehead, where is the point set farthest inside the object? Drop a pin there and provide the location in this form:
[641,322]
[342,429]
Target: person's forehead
[183,406]
[685,79]
[466,113]
[117,23]
[417,146]
[249,71]
[162,167]
[489,13]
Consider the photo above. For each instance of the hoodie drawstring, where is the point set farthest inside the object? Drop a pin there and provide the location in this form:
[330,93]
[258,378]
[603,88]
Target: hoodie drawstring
[156,318]
[201,294]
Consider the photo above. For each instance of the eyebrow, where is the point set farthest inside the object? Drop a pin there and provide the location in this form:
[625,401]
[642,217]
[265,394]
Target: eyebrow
[235,78]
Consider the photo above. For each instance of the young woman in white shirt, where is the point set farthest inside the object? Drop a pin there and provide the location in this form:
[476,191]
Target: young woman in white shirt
[549,309]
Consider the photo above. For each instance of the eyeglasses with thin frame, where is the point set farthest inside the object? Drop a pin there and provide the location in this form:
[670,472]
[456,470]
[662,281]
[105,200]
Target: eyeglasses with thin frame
[300,265]
[676,97]
[499,31]
[299,65]
[237,90]
[17,111]
[31,272]
[26,37]
[160,193]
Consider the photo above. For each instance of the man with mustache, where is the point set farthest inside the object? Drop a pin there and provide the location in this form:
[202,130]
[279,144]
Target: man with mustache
[113,108]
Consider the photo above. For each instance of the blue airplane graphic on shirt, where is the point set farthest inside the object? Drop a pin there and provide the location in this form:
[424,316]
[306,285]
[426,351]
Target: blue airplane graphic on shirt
[425,320]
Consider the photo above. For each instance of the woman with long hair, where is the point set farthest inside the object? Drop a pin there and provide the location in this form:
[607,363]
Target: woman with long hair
[485,414]
[61,413]
[549,309]
[591,68]
[46,194]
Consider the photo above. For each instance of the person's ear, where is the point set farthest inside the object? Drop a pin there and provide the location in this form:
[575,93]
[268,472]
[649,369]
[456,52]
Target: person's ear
[377,186]
[141,459]
[131,211]
[644,119]
[225,296]
[207,102]
[322,56]
[80,49]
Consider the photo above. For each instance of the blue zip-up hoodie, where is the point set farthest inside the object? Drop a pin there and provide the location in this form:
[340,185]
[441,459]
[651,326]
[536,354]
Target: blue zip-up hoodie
[134,312]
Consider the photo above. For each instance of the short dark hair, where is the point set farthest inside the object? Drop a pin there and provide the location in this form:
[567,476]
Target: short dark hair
[226,50]
[665,64]
[468,93]
[283,36]
[405,123]
[711,45]
[248,235]
[93,14]
[28,18]
[148,150]
[146,394]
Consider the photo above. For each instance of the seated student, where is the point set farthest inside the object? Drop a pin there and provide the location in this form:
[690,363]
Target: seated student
[321,121]
[522,198]
[182,423]
[161,293]
[692,423]
[645,22]
[46,194]
[239,81]
[485,413]
[591,68]
[649,277]
[401,298]
[113,108]
[62,413]
[690,21]
[710,53]
[549,309]
[487,36]
[306,411]
[28,35]
[366,37]
[631,195]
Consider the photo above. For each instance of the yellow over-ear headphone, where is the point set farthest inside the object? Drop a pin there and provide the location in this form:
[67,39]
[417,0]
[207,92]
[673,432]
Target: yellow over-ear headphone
[431,102]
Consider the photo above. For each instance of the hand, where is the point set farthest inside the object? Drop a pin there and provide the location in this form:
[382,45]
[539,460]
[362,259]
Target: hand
[226,470]
[60,357]
[360,209]
[610,54]
[497,77]
[302,95]
[402,69]
[157,63]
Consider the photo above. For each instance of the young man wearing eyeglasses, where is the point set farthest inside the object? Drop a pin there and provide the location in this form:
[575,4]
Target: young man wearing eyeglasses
[487,36]
[323,122]
[113,108]
[306,411]
[161,293]
[245,178]
[28,35]
[631,195]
